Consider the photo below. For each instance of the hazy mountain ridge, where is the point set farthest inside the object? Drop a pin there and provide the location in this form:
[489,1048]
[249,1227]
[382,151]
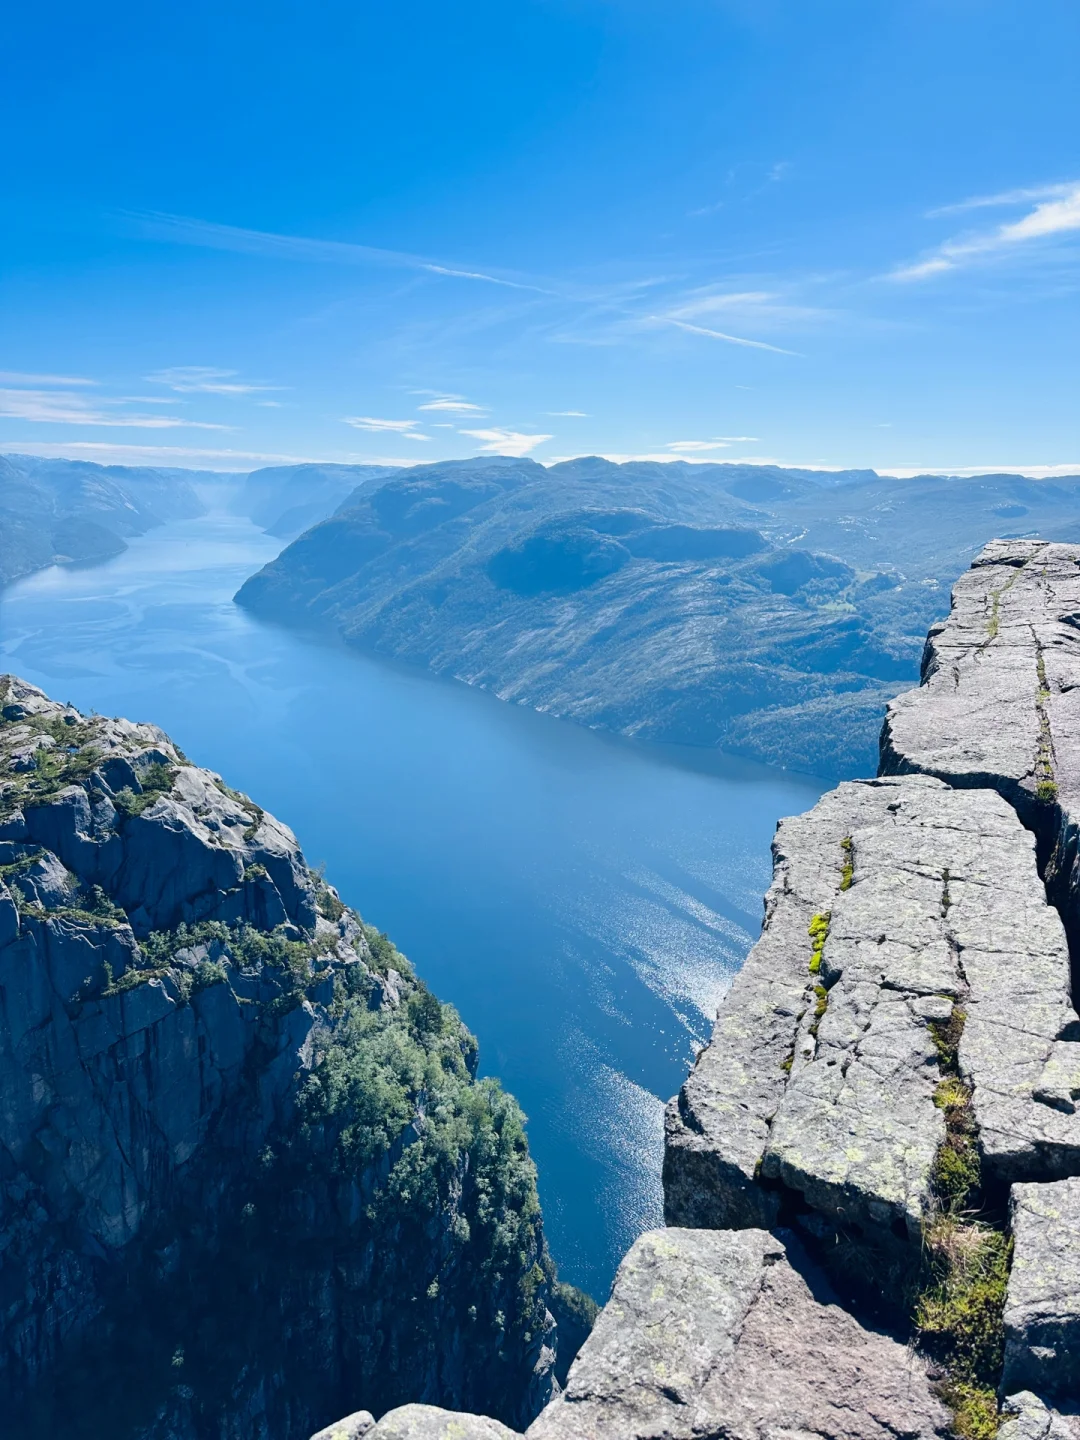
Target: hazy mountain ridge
[765,611]
[285,500]
[67,511]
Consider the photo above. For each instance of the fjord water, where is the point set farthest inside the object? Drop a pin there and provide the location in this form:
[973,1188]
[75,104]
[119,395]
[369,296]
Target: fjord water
[582,900]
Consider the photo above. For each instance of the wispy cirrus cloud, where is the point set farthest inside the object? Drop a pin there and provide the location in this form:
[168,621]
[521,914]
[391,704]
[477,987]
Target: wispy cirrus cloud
[719,442]
[567,414]
[16,377]
[506,442]
[1002,198]
[209,235]
[394,427]
[1057,214]
[453,405]
[719,334]
[205,380]
[62,407]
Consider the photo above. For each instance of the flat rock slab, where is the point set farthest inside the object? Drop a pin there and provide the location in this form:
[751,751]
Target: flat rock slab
[428,1422]
[821,1085]
[1042,1305]
[711,1333]
[999,703]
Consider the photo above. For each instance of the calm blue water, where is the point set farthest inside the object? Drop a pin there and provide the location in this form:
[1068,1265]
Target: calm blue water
[583,901]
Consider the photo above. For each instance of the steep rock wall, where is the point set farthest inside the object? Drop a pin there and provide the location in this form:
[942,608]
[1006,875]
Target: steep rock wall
[247,1177]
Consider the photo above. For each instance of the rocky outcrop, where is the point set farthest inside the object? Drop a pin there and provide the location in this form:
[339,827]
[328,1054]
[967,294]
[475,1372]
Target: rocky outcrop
[1026,1417]
[715,1332]
[998,706]
[895,903]
[246,1172]
[426,1422]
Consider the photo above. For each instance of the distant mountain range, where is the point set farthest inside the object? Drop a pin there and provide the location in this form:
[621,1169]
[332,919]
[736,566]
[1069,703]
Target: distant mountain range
[768,612]
[71,511]
[763,611]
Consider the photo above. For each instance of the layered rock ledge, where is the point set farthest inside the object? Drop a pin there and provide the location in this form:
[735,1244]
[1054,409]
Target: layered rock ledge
[895,904]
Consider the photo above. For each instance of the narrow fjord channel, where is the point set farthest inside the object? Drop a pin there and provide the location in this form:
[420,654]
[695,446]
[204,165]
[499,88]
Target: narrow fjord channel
[583,901]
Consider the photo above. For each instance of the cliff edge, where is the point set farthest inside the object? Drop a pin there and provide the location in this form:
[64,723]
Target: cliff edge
[248,1178]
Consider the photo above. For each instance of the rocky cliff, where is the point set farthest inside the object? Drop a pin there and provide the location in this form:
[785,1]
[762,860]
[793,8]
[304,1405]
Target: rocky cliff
[872,1176]
[248,1179]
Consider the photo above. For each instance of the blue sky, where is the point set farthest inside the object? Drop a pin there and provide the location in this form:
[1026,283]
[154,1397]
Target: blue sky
[820,232]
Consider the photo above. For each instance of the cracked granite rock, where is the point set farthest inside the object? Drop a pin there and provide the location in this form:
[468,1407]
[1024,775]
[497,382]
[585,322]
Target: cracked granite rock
[999,703]
[1026,1417]
[1042,1304]
[427,1422]
[350,1427]
[734,1333]
[821,1086]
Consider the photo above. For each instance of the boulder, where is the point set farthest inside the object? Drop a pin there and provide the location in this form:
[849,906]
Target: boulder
[735,1333]
[352,1427]
[1042,1304]
[1026,1417]
[428,1422]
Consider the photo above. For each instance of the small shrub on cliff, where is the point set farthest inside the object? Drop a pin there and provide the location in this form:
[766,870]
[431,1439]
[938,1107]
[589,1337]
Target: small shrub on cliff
[959,1317]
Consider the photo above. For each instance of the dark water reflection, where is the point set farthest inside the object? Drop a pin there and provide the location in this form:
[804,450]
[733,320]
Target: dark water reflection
[581,900]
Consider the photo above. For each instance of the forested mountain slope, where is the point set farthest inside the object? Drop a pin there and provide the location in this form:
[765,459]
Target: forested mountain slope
[768,612]
[64,511]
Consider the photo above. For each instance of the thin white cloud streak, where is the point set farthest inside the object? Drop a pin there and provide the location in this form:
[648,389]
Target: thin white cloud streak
[725,300]
[204,380]
[16,377]
[207,235]
[396,427]
[718,442]
[567,414]
[720,335]
[506,442]
[1006,197]
[449,405]
[1051,217]
[690,447]
[56,407]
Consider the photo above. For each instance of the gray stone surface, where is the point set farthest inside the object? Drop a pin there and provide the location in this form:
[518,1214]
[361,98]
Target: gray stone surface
[999,703]
[1026,1417]
[427,1422]
[1042,1306]
[715,1333]
[718,1125]
[944,907]
[350,1427]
